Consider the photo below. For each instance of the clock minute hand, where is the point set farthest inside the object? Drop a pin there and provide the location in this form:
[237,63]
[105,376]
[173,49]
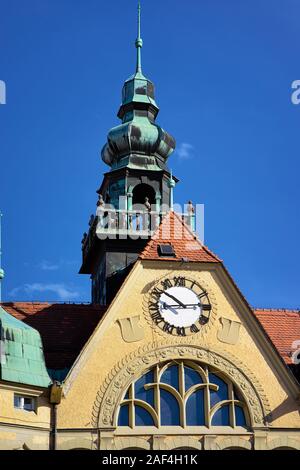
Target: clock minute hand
[174,298]
[186,306]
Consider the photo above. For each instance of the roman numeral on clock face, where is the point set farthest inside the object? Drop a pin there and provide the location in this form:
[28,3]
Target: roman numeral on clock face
[168,328]
[194,329]
[179,281]
[203,294]
[156,293]
[157,318]
[180,331]
[153,306]
[167,284]
[206,307]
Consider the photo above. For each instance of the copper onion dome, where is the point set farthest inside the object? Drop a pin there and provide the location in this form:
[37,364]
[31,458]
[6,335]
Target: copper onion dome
[138,141]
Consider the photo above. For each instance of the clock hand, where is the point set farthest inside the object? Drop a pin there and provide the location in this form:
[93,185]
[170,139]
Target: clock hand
[179,306]
[174,298]
[171,307]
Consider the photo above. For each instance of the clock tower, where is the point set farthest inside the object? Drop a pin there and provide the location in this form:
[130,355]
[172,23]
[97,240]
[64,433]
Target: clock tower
[135,193]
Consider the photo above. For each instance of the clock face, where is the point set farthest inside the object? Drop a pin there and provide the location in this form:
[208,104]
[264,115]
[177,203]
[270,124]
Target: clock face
[179,306]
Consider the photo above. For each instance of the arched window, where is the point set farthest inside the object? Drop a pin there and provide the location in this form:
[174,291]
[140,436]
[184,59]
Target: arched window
[143,202]
[182,393]
[140,192]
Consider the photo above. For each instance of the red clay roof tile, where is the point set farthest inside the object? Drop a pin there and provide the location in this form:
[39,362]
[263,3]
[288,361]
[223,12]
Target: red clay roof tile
[282,327]
[64,328]
[174,231]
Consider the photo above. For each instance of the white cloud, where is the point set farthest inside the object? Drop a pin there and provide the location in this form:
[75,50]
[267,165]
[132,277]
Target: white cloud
[47,266]
[185,151]
[61,290]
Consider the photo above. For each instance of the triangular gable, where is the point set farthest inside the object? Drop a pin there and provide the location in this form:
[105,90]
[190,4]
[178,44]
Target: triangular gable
[240,305]
[173,230]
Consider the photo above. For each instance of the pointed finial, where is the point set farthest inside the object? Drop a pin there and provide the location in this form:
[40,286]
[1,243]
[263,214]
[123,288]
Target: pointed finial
[1,270]
[172,184]
[139,19]
[139,42]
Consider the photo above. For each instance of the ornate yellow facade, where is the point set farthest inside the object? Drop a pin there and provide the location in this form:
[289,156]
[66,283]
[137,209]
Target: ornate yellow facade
[127,343]
[93,390]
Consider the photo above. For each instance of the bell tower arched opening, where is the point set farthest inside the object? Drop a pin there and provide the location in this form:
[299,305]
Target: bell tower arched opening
[143,193]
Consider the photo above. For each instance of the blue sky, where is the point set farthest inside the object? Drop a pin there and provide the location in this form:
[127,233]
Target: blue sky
[223,72]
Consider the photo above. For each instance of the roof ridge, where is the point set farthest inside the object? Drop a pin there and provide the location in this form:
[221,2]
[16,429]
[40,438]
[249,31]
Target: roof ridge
[292,310]
[46,302]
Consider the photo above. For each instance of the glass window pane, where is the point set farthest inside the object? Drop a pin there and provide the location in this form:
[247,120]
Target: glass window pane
[124,416]
[17,402]
[221,394]
[142,417]
[195,409]
[115,262]
[170,415]
[140,392]
[240,419]
[191,377]
[221,417]
[24,403]
[170,376]
[29,404]
[237,395]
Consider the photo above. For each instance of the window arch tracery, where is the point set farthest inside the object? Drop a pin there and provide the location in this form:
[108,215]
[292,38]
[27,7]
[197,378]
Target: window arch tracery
[182,393]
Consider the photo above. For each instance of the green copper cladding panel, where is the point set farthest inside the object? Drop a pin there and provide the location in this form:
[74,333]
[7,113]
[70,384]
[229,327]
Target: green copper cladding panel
[116,190]
[21,353]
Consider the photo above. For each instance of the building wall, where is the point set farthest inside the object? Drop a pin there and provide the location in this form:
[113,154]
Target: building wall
[21,429]
[127,342]
[108,354]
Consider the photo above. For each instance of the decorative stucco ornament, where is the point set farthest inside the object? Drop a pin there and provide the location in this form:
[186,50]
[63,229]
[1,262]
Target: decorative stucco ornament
[131,330]
[230,331]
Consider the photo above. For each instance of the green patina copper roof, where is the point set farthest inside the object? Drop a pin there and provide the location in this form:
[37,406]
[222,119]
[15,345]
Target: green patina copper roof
[138,135]
[21,353]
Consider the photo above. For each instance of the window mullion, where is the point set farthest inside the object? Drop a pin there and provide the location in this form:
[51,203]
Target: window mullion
[207,399]
[157,395]
[131,407]
[231,407]
[182,394]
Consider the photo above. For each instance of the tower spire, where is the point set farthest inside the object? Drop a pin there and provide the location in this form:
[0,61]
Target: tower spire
[139,42]
[138,142]
[1,270]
